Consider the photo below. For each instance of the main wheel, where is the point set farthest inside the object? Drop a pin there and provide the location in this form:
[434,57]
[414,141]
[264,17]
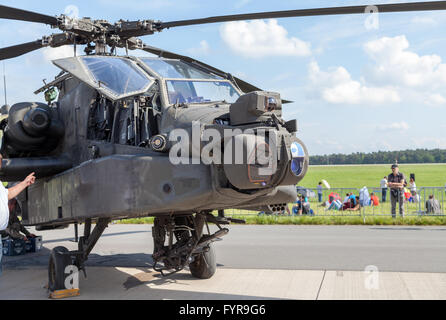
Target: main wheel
[204,265]
[56,268]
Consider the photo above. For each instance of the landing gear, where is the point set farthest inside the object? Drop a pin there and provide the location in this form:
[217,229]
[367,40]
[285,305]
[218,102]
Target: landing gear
[61,257]
[59,260]
[191,246]
[205,264]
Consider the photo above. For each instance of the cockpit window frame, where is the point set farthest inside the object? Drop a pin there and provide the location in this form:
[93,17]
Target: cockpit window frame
[78,68]
[163,81]
[153,71]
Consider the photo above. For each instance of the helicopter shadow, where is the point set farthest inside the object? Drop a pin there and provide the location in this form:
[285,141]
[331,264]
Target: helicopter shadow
[148,284]
[144,283]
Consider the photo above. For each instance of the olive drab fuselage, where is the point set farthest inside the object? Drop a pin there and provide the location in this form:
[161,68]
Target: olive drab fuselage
[101,150]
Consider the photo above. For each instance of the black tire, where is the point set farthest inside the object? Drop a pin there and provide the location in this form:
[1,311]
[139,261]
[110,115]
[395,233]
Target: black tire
[56,268]
[204,265]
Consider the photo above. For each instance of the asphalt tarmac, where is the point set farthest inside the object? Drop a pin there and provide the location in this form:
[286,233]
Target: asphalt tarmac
[324,262]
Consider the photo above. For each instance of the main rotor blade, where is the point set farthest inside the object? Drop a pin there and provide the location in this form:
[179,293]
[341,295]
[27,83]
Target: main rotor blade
[18,50]
[396,7]
[244,86]
[19,14]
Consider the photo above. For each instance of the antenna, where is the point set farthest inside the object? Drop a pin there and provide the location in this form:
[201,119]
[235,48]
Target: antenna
[4,82]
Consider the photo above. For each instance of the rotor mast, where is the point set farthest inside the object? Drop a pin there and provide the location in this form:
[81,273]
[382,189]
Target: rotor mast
[98,34]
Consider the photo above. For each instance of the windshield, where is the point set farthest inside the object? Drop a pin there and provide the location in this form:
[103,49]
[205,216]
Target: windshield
[177,69]
[200,91]
[120,76]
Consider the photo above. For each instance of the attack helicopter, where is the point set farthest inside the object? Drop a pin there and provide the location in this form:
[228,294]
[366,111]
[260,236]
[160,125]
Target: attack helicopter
[101,147]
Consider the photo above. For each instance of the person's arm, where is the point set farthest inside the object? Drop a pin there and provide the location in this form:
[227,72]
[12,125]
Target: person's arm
[389,183]
[15,190]
[398,185]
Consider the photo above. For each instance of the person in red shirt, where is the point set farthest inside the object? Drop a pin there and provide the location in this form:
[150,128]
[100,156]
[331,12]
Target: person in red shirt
[374,201]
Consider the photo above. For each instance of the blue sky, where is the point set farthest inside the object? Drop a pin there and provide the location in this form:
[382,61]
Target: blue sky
[356,87]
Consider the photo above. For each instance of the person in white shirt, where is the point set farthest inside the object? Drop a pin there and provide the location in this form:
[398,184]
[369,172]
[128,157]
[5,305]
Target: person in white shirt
[5,196]
[319,191]
[413,187]
[383,185]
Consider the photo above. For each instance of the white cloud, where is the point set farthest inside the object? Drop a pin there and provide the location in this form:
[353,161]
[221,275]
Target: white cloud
[395,64]
[395,74]
[337,86]
[256,39]
[202,50]
[436,99]
[394,126]
[427,142]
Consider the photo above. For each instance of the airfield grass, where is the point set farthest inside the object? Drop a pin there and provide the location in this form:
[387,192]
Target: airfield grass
[358,176]
[325,220]
[354,176]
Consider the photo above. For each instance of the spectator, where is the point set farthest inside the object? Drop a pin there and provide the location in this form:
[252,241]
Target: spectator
[396,182]
[413,187]
[407,195]
[302,206]
[347,197]
[15,227]
[5,196]
[383,185]
[354,204]
[319,191]
[374,201]
[432,205]
[347,205]
[354,199]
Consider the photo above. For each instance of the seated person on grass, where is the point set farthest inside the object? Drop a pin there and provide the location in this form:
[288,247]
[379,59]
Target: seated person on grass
[302,206]
[353,205]
[374,201]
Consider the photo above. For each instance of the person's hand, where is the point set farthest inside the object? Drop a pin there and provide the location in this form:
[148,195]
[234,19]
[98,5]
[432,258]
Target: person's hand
[32,235]
[30,179]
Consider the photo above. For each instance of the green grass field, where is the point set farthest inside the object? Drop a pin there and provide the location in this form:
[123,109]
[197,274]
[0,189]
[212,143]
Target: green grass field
[358,176]
[333,220]
[354,176]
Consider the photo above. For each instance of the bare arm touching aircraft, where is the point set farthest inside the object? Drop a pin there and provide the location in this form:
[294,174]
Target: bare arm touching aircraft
[18,188]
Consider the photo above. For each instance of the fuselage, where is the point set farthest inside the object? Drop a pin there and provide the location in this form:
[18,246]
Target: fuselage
[123,118]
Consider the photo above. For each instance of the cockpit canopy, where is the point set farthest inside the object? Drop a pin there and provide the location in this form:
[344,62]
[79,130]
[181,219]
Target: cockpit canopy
[176,69]
[122,77]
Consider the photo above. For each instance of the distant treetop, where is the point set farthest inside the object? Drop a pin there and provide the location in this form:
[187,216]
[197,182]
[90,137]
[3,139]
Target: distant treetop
[383,157]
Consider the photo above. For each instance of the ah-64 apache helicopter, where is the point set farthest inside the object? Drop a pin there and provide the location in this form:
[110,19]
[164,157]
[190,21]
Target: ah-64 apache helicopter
[101,151]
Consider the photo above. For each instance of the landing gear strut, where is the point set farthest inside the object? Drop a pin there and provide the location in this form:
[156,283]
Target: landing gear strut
[61,257]
[192,247]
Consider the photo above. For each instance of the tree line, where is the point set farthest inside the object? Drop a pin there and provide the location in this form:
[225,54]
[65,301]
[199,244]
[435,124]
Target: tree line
[382,157]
